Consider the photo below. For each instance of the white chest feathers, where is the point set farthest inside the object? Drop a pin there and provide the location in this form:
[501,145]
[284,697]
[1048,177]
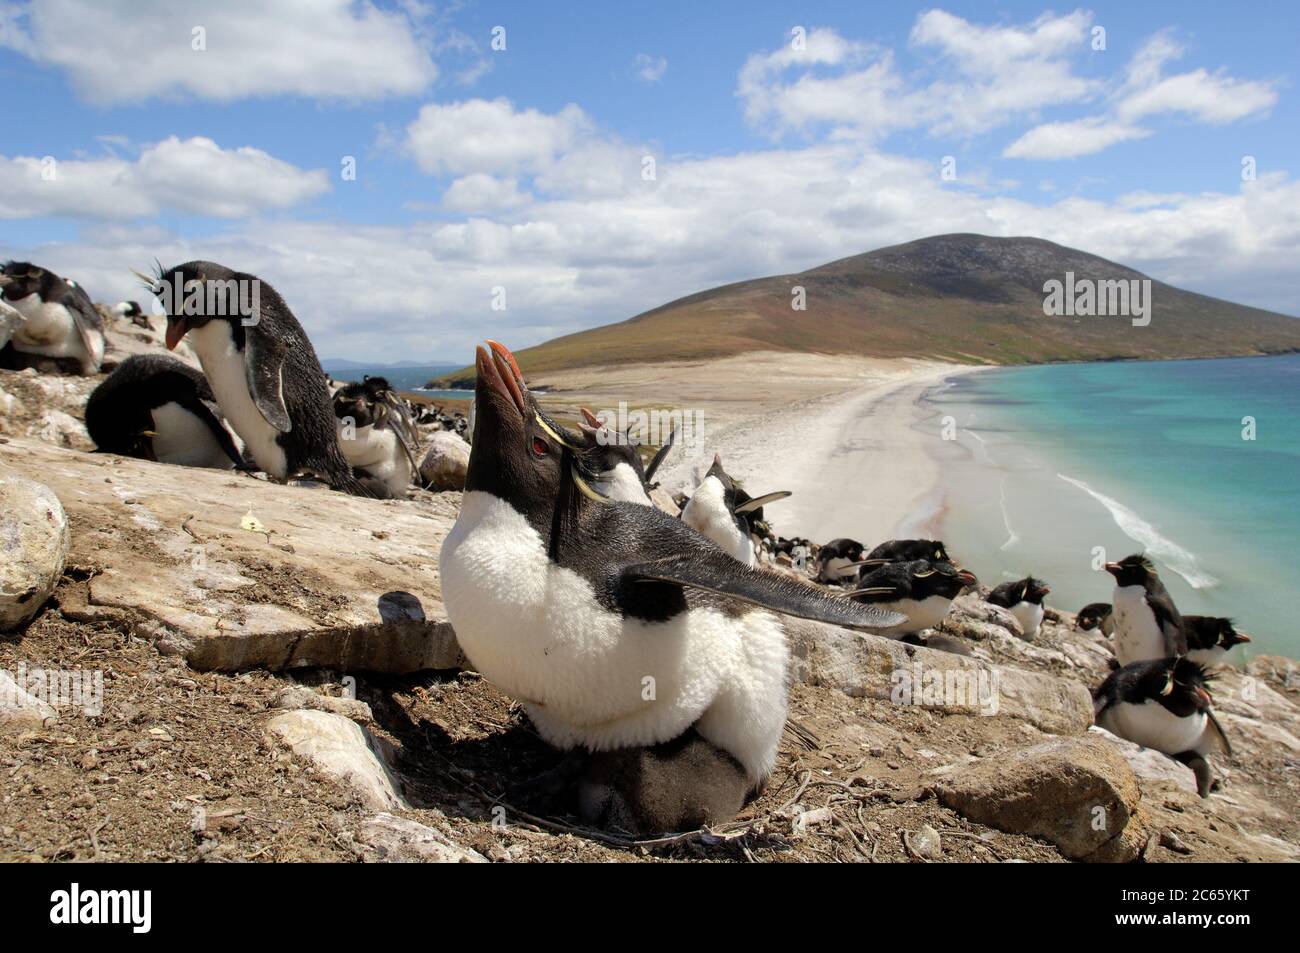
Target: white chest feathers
[50,330]
[1029,615]
[921,613]
[1137,633]
[622,483]
[593,677]
[707,513]
[183,439]
[837,568]
[223,364]
[377,451]
[1151,725]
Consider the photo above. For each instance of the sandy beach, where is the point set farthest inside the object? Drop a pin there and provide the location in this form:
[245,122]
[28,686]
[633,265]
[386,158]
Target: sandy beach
[841,433]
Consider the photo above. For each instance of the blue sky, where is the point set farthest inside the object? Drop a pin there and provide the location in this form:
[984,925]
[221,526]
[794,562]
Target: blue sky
[522,168]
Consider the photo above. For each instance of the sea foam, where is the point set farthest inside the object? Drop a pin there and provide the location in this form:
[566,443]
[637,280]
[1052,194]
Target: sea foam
[1136,528]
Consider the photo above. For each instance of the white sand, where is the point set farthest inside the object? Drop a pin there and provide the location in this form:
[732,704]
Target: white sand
[839,432]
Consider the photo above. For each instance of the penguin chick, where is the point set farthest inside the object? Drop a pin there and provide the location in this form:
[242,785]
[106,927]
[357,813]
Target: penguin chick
[1024,600]
[1164,704]
[154,407]
[60,319]
[376,436]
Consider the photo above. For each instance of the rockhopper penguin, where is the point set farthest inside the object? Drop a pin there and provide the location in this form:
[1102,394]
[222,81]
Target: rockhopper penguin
[61,321]
[1024,600]
[1147,623]
[376,436]
[726,514]
[626,635]
[158,408]
[262,369]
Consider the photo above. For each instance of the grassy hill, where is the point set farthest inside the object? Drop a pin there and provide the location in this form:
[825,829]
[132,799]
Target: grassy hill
[962,298]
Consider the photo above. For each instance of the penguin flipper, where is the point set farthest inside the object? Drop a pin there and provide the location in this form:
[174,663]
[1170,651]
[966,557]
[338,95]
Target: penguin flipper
[718,572]
[1169,621]
[1215,731]
[86,319]
[264,368]
[660,455]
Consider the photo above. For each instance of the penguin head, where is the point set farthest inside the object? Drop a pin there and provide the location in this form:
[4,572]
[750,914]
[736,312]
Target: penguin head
[940,552]
[1135,570]
[362,401]
[1179,684]
[198,292]
[519,454]
[1091,615]
[20,279]
[1032,590]
[609,450]
[1229,636]
[1207,632]
[938,579]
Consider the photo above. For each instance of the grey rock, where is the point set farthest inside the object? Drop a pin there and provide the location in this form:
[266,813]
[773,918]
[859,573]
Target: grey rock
[446,462]
[34,542]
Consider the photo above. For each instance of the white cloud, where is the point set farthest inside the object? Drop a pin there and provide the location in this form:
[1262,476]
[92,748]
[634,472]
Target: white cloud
[1002,72]
[117,51]
[649,68]
[1199,94]
[480,192]
[1068,140]
[575,262]
[192,176]
[490,136]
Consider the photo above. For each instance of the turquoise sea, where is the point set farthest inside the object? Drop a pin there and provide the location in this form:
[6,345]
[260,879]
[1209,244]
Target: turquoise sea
[1051,462]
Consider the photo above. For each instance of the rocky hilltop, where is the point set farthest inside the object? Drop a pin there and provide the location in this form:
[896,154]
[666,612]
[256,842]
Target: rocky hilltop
[966,299]
[279,682]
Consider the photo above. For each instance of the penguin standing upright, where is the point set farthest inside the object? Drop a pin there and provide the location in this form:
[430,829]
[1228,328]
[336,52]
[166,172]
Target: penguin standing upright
[1024,600]
[60,319]
[262,368]
[1163,703]
[921,590]
[1147,623]
[158,408]
[1210,639]
[724,513]
[376,436]
[618,627]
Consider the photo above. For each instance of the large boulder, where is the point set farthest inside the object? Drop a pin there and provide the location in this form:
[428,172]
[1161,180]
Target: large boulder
[446,463]
[1078,793]
[34,540]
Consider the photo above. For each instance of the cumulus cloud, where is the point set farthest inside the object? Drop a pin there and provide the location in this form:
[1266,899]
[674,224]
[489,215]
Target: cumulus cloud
[490,136]
[116,51]
[191,176]
[569,263]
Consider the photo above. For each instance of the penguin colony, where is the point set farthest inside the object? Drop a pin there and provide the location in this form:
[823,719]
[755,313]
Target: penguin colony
[649,648]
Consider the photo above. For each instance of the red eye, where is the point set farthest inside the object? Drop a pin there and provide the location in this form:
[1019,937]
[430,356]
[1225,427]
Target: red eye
[540,449]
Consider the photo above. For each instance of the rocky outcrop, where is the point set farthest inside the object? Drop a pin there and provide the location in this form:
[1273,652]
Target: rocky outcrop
[1079,793]
[340,749]
[386,838]
[446,462]
[34,540]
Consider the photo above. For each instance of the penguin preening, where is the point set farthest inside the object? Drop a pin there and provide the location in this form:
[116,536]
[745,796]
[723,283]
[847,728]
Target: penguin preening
[1024,600]
[1096,615]
[1210,639]
[262,369]
[1163,704]
[376,436]
[60,321]
[619,628]
[155,407]
[921,590]
[726,514]
[838,560]
[619,473]
[1147,623]
[130,311]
